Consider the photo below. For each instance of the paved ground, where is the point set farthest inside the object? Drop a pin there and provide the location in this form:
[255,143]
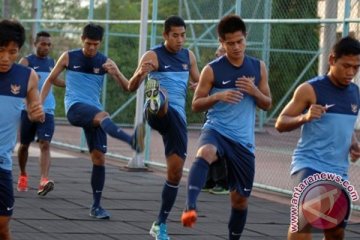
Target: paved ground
[273,153]
[133,200]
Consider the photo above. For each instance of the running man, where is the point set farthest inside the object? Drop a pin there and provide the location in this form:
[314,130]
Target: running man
[168,67]
[85,71]
[320,106]
[230,89]
[42,64]
[17,83]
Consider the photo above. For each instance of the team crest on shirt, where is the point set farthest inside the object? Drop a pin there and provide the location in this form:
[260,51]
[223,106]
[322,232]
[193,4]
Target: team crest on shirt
[15,89]
[354,108]
[96,70]
[185,66]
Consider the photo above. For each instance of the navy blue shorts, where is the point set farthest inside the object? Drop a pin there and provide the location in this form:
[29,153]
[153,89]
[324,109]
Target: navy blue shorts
[82,115]
[239,160]
[173,130]
[300,175]
[28,129]
[6,193]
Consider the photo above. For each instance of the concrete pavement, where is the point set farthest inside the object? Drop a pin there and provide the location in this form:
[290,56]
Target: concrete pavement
[133,199]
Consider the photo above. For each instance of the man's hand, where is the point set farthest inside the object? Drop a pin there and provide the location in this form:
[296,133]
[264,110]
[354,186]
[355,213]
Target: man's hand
[111,67]
[36,112]
[145,68]
[192,85]
[354,152]
[315,112]
[246,85]
[230,96]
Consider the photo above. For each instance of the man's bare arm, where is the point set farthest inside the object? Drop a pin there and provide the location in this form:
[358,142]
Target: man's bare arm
[53,76]
[147,63]
[34,106]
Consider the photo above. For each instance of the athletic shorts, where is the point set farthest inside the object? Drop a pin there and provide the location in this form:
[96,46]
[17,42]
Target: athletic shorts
[28,129]
[6,193]
[240,161]
[173,130]
[304,173]
[82,115]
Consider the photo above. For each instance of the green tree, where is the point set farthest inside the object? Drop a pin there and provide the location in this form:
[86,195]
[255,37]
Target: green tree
[285,63]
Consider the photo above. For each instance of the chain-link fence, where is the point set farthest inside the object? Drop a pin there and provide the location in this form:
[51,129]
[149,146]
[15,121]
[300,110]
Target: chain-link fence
[292,37]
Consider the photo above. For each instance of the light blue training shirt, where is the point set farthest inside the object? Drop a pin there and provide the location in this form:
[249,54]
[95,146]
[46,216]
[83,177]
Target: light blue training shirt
[43,67]
[234,121]
[13,91]
[84,79]
[324,143]
[173,75]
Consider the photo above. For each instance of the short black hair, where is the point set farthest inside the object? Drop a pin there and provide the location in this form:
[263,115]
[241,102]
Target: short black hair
[93,31]
[11,31]
[42,34]
[173,21]
[230,24]
[346,46]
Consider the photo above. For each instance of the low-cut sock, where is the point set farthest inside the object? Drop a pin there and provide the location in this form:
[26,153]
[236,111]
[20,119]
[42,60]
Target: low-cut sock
[97,183]
[114,131]
[168,198]
[196,181]
[237,223]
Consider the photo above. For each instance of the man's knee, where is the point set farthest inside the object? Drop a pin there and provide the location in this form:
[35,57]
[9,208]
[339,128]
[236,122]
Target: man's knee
[99,117]
[174,175]
[337,233]
[97,157]
[208,152]
[174,168]
[44,146]
[4,228]
[24,147]
[238,201]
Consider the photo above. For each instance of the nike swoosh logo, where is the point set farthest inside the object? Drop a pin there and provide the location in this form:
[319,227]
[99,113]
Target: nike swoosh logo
[97,191]
[9,208]
[36,67]
[193,187]
[167,66]
[46,135]
[247,189]
[225,82]
[329,106]
[75,67]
